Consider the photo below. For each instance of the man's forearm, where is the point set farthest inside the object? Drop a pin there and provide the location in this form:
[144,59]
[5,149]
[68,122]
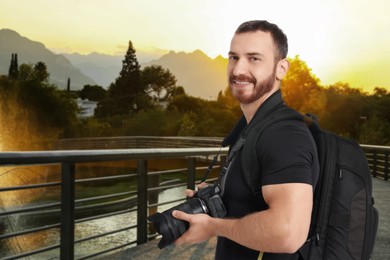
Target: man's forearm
[262,231]
[282,228]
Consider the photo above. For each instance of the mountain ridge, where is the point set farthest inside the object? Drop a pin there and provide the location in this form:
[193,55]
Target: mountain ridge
[199,75]
[30,51]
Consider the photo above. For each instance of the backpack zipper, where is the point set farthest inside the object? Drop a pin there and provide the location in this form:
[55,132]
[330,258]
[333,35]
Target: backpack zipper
[324,193]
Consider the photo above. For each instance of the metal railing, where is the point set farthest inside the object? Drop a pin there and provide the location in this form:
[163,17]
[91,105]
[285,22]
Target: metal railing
[68,207]
[73,211]
[125,142]
[378,160]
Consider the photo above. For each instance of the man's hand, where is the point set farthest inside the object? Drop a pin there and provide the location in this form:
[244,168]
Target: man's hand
[200,228]
[190,193]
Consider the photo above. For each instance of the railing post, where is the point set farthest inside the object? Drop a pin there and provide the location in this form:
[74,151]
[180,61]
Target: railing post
[142,204]
[386,165]
[67,211]
[153,182]
[374,157]
[191,173]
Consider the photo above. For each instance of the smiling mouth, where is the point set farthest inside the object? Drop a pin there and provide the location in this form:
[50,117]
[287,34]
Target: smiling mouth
[241,81]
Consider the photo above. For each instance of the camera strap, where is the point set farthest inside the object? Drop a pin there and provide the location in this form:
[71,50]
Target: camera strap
[233,152]
[211,165]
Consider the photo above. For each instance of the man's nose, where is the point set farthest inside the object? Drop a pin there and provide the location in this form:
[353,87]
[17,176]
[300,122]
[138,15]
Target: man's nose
[240,68]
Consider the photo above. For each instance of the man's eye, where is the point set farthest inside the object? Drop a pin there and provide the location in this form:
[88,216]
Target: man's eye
[254,59]
[233,58]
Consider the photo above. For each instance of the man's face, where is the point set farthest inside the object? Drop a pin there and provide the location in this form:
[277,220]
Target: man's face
[251,67]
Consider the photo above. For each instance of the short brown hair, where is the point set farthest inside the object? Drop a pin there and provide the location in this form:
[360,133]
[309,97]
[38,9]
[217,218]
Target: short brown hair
[278,36]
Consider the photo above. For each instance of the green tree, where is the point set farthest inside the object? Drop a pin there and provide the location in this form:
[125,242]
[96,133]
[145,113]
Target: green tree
[26,71]
[178,91]
[188,124]
[184,103]
[343,110]
[13,72]
[53,107]
[375,131]
[92,127]
[40,72]
[159,83]
[299,85]
[34,72]
[226,100]
[126,87]
[215,120]
[43,106]
[381,103]
[93,92]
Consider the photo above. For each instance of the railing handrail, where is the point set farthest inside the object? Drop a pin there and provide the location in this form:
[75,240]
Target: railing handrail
[376,147]
[75,156]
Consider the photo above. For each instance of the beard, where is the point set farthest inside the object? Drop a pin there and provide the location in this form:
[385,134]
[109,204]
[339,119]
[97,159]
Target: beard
[259,90]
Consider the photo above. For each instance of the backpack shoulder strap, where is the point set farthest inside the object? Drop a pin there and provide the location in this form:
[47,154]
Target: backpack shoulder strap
[249,159]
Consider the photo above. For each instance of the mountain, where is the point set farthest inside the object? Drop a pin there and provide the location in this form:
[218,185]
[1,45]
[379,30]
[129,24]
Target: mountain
[103,68]
[200,75]
[59,67]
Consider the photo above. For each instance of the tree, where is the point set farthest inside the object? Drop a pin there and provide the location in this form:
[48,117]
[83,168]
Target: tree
[13,68]
[178,91]
[188,124]
[43,109]
[159,83]
[299,85]
[184,103]
[93,92]
[50,104]
[26,71]
[376,131]
[34,72]
[68,85]
[226,100]
[127,86]
[343,110]
[40,72]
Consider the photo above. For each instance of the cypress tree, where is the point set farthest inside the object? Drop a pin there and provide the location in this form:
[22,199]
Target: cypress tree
[13,68]
[68,85]
[126,88]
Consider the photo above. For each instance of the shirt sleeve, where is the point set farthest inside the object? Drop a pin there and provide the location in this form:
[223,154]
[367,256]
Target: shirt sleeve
[287,154]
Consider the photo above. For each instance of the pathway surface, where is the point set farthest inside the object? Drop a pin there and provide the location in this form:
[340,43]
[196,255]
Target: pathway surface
[205,250]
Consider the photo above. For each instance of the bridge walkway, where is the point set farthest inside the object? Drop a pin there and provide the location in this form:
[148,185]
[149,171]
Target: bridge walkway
[205,251]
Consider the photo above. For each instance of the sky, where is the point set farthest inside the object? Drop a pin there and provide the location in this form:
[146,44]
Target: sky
[340,40]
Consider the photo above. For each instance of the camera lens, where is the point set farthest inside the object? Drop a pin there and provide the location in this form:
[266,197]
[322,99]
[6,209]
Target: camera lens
[171,228]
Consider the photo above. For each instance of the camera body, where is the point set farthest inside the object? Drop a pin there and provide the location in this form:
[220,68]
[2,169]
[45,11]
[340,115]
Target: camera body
[207,200]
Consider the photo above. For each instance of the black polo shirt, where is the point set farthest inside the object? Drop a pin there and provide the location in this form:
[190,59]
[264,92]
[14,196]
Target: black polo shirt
[286,153]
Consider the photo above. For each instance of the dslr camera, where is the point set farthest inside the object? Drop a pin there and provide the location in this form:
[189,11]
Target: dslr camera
[206,200]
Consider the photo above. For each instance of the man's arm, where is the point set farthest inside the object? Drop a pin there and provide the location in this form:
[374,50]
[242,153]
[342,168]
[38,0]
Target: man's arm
[283,228]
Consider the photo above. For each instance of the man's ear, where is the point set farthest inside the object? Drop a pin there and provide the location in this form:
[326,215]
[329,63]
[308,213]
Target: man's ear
[282,69]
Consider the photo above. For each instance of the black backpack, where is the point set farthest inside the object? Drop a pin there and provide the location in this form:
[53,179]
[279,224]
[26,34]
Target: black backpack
[344,221]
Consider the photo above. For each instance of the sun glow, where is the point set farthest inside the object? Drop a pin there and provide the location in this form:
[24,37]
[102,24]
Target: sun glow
[332,36]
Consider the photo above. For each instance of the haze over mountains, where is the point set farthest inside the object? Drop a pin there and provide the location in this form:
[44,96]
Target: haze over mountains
[59,67]
[200,75]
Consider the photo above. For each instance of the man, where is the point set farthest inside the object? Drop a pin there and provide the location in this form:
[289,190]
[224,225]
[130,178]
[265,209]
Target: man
[275,225]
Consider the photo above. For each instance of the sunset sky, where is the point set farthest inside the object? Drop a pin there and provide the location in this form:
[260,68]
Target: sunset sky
[341,40]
